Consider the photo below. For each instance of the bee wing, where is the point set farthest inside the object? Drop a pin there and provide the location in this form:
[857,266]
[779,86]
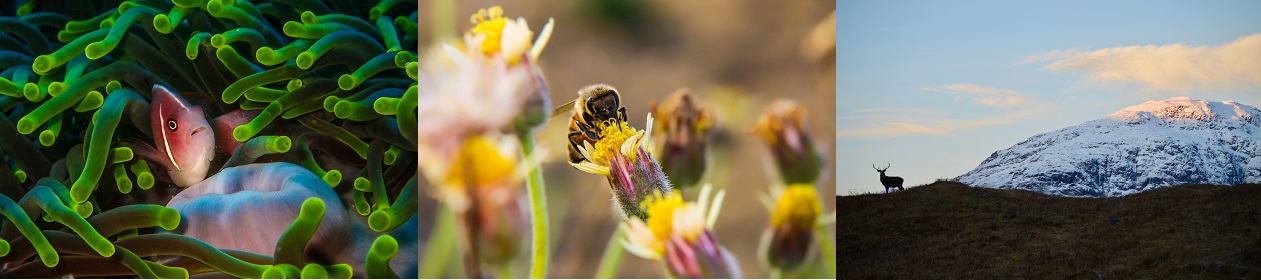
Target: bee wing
[564,110]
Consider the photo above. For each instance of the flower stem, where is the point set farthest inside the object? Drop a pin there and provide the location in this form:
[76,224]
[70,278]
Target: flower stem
[612,256]
[441,245]
[827,250]
[505,272]
[538,207]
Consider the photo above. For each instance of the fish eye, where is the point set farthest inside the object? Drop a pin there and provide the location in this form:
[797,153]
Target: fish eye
[171,125]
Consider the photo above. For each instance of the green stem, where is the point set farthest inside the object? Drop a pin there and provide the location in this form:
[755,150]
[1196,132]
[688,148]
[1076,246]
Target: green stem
[827,250]
[538,207]
[505,272]
[612,256]
[441,245]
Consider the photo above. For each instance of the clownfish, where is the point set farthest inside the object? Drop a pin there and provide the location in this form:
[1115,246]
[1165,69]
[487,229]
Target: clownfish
[184,140]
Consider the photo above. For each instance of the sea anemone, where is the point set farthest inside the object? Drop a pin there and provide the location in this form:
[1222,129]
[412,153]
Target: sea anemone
[312,106]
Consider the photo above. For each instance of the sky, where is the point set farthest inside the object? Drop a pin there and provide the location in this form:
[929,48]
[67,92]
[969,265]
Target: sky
[933,88]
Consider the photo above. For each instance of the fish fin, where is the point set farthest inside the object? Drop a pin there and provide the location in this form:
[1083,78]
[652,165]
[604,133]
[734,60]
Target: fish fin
[148,152]
[223,126]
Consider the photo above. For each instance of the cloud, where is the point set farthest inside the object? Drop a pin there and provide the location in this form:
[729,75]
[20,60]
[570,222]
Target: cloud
[900,111]
[887,114]
[916,125]
[889,129]
[1234,66]
[1003,98]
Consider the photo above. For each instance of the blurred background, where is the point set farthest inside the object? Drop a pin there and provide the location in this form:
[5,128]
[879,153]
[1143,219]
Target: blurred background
[736,56]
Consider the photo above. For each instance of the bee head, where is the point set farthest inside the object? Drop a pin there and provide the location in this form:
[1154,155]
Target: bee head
[604,104]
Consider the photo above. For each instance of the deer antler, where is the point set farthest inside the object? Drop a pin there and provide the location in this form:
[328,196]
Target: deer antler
[886,167]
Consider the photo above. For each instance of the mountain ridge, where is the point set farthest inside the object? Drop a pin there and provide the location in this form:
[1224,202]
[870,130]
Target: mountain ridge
[1155,144]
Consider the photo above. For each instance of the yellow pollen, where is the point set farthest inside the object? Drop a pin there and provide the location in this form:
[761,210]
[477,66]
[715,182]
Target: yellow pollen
[479,163]
[489,22]
[799,205]
[612,134]
[660,209]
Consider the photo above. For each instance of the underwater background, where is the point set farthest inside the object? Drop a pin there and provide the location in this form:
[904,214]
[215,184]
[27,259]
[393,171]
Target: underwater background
[311,105]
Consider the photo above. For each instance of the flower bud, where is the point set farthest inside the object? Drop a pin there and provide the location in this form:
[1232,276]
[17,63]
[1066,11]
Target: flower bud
[538,103]
[783,127]
[686,128]
[634,178]
[500,224]
[787,243]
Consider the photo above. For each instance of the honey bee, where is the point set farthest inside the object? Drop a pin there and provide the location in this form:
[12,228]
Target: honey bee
[595,104]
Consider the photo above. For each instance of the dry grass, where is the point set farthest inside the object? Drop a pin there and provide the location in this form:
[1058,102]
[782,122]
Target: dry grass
[950,230]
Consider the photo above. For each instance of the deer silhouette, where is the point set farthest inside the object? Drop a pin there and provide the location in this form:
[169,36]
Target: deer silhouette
[889,182]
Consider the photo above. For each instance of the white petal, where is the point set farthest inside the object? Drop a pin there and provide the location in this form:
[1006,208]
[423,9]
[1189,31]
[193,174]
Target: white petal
[541,41]
[712,216]
[703,199]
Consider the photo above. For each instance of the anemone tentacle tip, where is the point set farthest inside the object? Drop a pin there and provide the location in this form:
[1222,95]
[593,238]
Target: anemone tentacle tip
[169,218]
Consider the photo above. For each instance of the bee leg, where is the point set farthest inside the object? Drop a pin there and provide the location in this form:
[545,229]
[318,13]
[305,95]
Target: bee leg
[574,155]
[621,113]
[587,118]
[583,128]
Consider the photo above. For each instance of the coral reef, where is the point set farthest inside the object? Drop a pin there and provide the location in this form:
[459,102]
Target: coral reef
[311,104]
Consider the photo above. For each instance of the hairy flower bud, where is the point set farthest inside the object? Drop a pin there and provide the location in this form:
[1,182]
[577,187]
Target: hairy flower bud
[686,127]
[783,128]
[634,178]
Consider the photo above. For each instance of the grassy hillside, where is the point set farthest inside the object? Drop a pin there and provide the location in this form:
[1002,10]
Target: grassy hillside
[951,230]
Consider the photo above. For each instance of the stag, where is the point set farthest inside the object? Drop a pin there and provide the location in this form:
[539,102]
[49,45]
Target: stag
[889,182]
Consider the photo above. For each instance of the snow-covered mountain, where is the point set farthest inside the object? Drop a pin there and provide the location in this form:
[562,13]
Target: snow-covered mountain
[1156,144]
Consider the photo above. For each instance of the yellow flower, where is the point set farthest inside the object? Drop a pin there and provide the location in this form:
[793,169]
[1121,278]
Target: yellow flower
[799,205]
[660,209]
[786,243]
[494,35]
[459,99]
[615,137]
[488,23]
[669,215]
[481,161]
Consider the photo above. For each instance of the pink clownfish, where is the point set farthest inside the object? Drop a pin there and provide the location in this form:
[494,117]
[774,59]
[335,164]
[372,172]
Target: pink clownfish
[184,140]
